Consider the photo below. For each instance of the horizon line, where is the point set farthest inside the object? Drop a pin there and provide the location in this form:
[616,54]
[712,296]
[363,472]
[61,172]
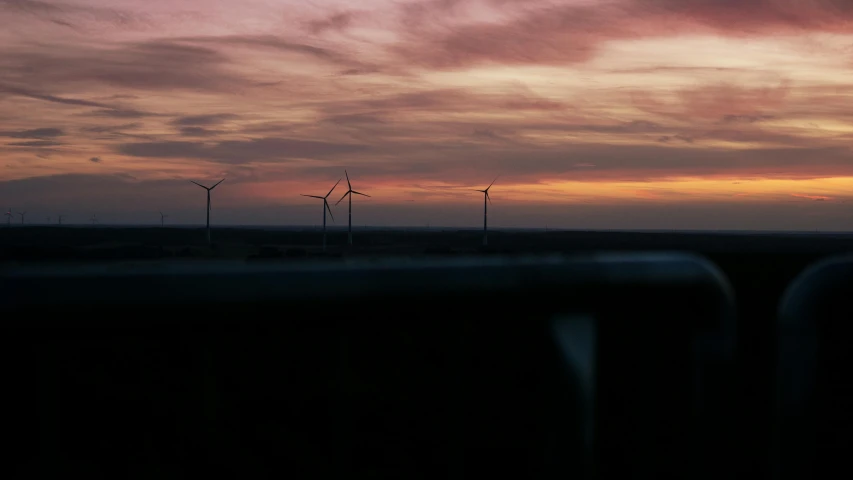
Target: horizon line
[436,228]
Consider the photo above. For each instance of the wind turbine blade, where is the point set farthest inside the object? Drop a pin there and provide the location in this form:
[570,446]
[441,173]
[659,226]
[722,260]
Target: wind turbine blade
[333,188]
[347,175]
[200,185]
[359,193]
[345,196]
[329,209]
[313,196]
[217,183]
[481,191]
[493,182]
[489,198]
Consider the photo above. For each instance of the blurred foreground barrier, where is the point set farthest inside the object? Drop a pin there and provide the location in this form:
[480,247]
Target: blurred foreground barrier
[814,410]
[460,368]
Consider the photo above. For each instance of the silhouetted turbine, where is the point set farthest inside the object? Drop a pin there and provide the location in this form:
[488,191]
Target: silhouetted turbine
[208,204]
[94,219]
[22,214]
[162,219]
[486,201]
[60,217]
[8,217]
[325,209]
[350,191]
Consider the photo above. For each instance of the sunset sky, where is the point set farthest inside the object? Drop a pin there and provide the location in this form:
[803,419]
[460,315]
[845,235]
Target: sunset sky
[675,114]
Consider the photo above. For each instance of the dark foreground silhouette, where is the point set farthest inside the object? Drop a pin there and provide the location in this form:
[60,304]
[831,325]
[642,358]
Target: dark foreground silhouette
[453,368]
[759,268]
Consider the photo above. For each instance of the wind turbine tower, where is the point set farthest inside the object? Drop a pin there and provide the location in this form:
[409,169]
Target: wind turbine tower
[486,201]
[209,189]
[350,192]
[22,214]
[163,217]
[94,219]
[8,217]
[325,209]
[60,217]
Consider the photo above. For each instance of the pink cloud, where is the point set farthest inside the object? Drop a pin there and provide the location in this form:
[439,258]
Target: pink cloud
[568,32]
[731,102]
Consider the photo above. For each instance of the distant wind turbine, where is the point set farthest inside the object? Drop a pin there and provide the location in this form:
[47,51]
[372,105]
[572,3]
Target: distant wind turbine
[48,219]
[8,217]
[350,192]
[486,201]
[22,214]
[325,209]
[60,217]
[162,219]
[208,204]
[94,219]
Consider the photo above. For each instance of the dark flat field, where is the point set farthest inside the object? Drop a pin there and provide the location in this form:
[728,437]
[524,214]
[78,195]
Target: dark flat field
[113,243]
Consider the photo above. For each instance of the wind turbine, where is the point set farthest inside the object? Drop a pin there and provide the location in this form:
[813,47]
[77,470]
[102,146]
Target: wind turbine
[94,219]
[325,209]
[60,217]
[486,201]
[208,204]
[22,214]
[162,219]
[48,220]
[350,191]
[8,217]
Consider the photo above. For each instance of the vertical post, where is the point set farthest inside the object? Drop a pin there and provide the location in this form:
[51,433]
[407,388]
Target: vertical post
[208,217]
[349,235]
[485,219]
[324,224]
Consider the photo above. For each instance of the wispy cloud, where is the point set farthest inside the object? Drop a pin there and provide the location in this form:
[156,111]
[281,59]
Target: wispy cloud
[47,132]
[203,120]
[816,198]
[237,152]
[49,98]
[149,65]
